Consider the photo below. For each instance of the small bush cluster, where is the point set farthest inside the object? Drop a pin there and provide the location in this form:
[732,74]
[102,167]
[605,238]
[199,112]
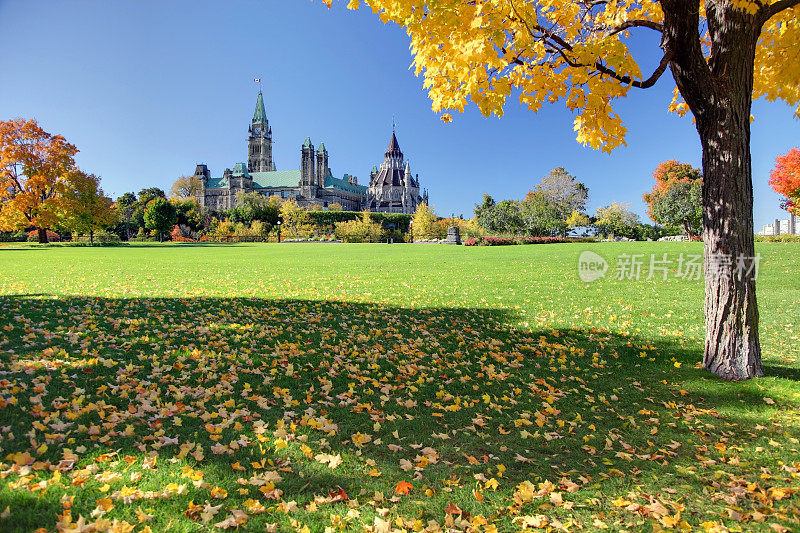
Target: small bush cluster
[778,238]
[100,237]
[508,241]
[16,236]
[52,236]
[359,230]
[177,236]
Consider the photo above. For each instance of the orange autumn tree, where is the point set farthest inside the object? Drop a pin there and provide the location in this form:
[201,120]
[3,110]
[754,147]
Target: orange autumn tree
[33,169]
[720,54]
[785,180]
[667,174]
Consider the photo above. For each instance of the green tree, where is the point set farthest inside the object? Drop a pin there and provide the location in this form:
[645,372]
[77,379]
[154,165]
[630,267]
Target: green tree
[422,222]
[681,206]
[85,208]
[540,216]
[666,175]
[296,223]
[145,196]
[252,206]
[483,213]
[159,216]
[616,219]
[125,206]
[190,214]
[507,217]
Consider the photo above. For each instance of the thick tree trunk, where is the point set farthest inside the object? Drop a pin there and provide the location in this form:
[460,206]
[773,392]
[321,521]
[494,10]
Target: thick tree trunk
[732,348]
[719,92]
[91,238]
[43,236]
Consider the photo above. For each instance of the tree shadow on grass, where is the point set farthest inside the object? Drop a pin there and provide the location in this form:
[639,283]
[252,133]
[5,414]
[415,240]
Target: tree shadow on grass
[782,372]
[446,398]
[26,510]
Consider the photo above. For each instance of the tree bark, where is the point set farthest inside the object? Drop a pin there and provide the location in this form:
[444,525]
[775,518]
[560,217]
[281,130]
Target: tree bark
[719,93]
[732,348]
[43,236]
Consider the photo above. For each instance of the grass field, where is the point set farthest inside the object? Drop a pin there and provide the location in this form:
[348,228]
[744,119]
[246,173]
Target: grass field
[304,387]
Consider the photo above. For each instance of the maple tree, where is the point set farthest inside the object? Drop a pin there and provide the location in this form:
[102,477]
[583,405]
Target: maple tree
[720,54]
[186,187]
[785,179]
[85,207]
[676,198]
[33,167]
[422,222]
[667,174]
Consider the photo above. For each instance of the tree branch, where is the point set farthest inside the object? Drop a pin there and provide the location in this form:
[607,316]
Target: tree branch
[636,24]
[768,11]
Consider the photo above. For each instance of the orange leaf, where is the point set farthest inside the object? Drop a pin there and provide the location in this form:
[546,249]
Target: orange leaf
[404,487]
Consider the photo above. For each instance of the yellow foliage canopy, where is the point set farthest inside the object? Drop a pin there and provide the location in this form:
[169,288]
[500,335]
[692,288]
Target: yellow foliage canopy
[575,51]
[33,168]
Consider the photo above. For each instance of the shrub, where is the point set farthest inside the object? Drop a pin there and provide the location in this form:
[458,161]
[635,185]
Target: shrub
[177,235]
[17,236]
[507,241]
[361,230]
[101,236]
[778,238]
[33,236]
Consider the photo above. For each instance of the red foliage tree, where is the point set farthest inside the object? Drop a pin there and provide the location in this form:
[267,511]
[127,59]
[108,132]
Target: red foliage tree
[785,180]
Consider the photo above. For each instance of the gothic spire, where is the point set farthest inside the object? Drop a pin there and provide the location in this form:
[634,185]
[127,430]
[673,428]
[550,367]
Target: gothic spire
[260,115]
[394,147]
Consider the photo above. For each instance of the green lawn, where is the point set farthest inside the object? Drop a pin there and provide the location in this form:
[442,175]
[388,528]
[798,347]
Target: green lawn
[315,386]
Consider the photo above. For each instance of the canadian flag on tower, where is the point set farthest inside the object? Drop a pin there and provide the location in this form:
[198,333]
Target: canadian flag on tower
[257,80]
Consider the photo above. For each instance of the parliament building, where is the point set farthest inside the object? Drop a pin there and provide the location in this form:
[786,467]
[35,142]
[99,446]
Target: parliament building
[392,188]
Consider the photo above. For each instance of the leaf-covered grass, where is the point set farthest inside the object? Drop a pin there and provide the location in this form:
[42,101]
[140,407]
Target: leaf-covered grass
[305,387]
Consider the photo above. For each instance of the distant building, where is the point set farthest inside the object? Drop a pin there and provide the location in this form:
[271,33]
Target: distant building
[791,226]
[392,188]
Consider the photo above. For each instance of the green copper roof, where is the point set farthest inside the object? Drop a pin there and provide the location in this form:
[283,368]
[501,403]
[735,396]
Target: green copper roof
[321,147]
[216,183]
[344,185]
[276,178]
[240,169]
[307,142]
[260,116]
[289,178]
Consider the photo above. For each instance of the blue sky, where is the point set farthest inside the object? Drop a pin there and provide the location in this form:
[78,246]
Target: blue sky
[148,89]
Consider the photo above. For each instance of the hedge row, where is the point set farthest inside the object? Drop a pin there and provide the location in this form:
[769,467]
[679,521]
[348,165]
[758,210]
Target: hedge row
[401,221]
[507,241]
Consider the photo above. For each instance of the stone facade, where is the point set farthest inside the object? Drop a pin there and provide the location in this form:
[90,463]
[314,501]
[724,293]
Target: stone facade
[392,188]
